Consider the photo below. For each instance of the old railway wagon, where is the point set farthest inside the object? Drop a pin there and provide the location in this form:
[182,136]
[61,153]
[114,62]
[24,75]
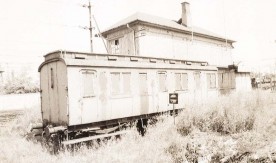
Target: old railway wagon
[93,94]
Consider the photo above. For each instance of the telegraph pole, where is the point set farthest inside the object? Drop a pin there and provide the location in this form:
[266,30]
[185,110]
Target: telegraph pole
[90,26]
[91,18]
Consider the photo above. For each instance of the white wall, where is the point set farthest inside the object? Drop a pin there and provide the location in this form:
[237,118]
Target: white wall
[170,46]
[243,82]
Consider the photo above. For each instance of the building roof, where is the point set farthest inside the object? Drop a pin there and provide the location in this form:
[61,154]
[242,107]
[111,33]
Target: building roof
[155,20]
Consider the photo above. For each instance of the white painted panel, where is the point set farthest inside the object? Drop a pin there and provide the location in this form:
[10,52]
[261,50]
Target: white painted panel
[89,110]
[168,46]
[121,107]
[74,94]
[243,82]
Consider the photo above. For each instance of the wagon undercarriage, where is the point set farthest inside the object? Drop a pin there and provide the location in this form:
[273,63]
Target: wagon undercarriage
[62,136]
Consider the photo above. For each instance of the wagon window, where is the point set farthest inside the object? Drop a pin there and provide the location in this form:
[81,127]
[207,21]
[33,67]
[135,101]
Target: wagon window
[197,80]
[184,81]
[181,81]
[162,81]
[88,83]
[126,83]
[178,81]
[115,83]
[211,80]
[143,86]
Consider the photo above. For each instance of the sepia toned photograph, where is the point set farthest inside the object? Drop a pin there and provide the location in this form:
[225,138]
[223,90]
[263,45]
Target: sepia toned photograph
[138,81]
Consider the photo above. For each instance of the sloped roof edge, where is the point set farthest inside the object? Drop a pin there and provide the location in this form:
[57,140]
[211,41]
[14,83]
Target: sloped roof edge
[162,22]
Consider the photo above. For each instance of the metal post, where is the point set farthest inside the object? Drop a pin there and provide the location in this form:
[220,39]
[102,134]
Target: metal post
[90,27]
[173,115]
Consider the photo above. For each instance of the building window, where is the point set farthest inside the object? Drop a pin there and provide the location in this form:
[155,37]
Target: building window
[115,46]
[88,80]
[181,81]
[162,81]
[211,80]
[120,83]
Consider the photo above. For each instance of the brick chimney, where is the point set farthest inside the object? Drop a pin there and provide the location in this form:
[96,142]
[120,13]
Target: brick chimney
[186,17]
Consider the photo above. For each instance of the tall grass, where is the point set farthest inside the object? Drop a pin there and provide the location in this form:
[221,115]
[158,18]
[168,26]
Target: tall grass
[240,127]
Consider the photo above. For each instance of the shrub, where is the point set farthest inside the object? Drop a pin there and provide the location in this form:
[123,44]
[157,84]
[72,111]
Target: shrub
[20,84]
[224,116]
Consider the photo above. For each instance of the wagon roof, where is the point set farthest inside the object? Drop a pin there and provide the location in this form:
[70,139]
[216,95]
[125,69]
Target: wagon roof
[165,23]
[81,59]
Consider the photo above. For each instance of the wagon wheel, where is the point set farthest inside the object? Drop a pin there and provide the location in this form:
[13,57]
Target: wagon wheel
[52,143]
[141,126]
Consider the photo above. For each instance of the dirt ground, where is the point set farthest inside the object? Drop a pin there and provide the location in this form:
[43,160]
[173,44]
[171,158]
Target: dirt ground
[8,116]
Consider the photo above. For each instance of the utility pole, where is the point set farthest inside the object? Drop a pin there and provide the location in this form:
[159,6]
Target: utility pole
[90,27]
[90,24]
[91,18]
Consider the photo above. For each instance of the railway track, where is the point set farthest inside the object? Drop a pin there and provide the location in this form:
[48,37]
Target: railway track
[8,116]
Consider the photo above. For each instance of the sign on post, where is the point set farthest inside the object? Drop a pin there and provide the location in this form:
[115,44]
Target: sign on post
[173,98]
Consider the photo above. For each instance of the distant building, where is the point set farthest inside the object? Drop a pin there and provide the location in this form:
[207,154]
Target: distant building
[146,35]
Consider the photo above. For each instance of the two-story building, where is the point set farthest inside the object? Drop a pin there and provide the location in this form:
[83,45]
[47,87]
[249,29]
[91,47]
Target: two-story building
[146,35]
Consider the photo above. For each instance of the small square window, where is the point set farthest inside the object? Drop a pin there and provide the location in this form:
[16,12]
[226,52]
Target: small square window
[115,85]
[126,83]
[88,83]
[162,81]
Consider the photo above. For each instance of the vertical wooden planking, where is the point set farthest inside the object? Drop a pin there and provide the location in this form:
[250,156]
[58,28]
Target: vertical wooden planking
[45,103]
[62,92]
[53,97]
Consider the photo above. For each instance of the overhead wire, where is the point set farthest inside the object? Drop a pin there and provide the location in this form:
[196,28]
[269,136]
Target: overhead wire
[29,22]
[64,3]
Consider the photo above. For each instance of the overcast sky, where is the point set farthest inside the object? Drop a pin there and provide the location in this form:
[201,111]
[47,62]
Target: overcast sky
[31,28]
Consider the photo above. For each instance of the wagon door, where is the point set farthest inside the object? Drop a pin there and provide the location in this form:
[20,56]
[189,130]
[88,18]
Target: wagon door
[89,104]
[53,97]
[163,91]
[143,93]
[197,87]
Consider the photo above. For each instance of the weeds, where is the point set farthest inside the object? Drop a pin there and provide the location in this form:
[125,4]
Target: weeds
[234,128]
[18,85]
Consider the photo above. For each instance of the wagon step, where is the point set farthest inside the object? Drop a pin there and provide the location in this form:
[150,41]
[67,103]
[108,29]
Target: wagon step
[74,141]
